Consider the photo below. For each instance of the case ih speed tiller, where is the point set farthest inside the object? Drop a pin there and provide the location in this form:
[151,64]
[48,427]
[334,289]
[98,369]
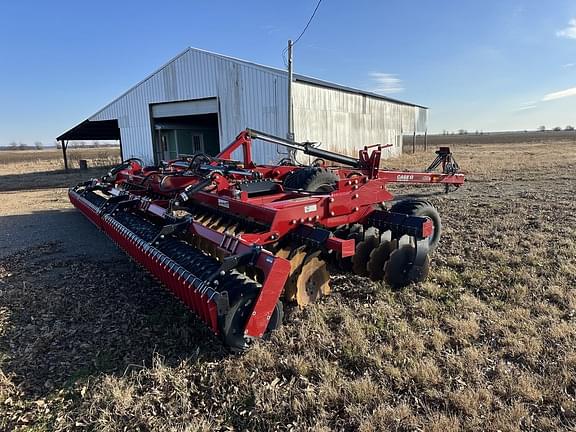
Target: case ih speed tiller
[233,240]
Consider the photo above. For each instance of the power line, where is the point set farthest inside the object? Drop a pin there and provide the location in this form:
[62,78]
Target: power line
[308,23]
[302,32]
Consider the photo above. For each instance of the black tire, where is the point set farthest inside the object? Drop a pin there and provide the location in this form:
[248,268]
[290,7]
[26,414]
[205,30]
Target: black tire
[418,207]
[312,179]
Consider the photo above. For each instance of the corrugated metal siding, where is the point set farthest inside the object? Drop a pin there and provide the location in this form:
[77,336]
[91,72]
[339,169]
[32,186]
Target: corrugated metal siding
[421,119]
[256,96]
[345,122]
[248,96]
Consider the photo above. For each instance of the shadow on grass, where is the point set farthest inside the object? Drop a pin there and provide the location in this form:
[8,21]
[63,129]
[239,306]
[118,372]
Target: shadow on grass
[65,318]
[48,179]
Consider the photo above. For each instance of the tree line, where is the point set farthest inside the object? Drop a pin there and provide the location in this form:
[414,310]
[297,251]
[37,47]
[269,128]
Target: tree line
[539,129]
[38,145]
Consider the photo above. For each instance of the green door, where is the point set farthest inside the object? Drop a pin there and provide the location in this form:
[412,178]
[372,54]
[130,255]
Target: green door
[190,141]
[168,147]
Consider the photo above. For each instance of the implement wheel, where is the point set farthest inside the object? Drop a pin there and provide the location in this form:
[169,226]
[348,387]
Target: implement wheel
[418,207]
[312,179]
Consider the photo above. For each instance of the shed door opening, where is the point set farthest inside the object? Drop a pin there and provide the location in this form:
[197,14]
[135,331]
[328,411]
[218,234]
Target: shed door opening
[179,131]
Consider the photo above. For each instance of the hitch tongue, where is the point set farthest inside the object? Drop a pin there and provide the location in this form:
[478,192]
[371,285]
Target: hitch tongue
[446,159]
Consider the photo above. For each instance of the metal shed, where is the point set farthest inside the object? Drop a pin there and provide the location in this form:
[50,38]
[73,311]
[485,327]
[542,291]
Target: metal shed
[200,100]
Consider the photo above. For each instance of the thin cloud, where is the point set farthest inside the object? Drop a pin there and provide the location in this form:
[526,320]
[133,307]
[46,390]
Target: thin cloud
[518,11]
[560,94]
[386,83]
[270,29]
[569,32]
[526,107]
[568,65]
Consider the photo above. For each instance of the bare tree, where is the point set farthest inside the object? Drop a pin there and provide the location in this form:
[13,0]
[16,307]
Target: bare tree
[39,145]
[541,128]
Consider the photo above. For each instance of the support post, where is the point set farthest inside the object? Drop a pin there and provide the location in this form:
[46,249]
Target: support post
[426,140]
[290,112]
[414,142]
[64,144]
[121,153]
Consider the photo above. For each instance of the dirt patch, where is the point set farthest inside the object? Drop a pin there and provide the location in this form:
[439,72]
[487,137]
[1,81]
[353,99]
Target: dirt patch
[486,343]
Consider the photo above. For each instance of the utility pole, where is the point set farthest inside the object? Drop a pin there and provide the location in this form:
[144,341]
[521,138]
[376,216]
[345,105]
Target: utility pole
[290,112]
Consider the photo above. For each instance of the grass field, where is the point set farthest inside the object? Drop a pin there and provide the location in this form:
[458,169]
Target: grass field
[52,158]
[488,342]
[495,138]
[32,169]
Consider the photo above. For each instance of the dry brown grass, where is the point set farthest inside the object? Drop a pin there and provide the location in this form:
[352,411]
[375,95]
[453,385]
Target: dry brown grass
[498,161]
[38,169]
[487,343]
[46,160]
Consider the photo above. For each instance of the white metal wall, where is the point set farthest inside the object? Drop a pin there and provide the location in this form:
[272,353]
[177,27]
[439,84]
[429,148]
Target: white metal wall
[248,96]
[344,122]
[256,96]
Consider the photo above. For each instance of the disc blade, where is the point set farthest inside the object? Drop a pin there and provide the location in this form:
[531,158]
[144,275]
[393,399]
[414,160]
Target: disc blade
[296,259]
[312,282]
[400,270]
[362,255]
[378,258]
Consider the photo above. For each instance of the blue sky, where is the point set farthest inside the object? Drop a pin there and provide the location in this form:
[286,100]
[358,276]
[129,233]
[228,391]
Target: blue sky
[478,65]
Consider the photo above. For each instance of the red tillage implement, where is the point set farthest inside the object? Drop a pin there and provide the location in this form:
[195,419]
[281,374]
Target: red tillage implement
[233,240]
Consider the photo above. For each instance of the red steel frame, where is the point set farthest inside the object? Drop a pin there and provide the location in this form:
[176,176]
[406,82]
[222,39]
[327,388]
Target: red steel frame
[357,191]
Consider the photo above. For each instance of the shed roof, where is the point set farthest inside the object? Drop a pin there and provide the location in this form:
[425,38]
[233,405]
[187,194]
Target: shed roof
[299,77]
[92,130]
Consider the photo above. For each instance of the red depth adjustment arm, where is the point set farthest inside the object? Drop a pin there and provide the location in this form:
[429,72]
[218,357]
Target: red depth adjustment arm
[275,270]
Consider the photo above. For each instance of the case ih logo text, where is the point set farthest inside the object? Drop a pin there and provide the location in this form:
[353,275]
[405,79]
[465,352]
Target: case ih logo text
[404,177]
